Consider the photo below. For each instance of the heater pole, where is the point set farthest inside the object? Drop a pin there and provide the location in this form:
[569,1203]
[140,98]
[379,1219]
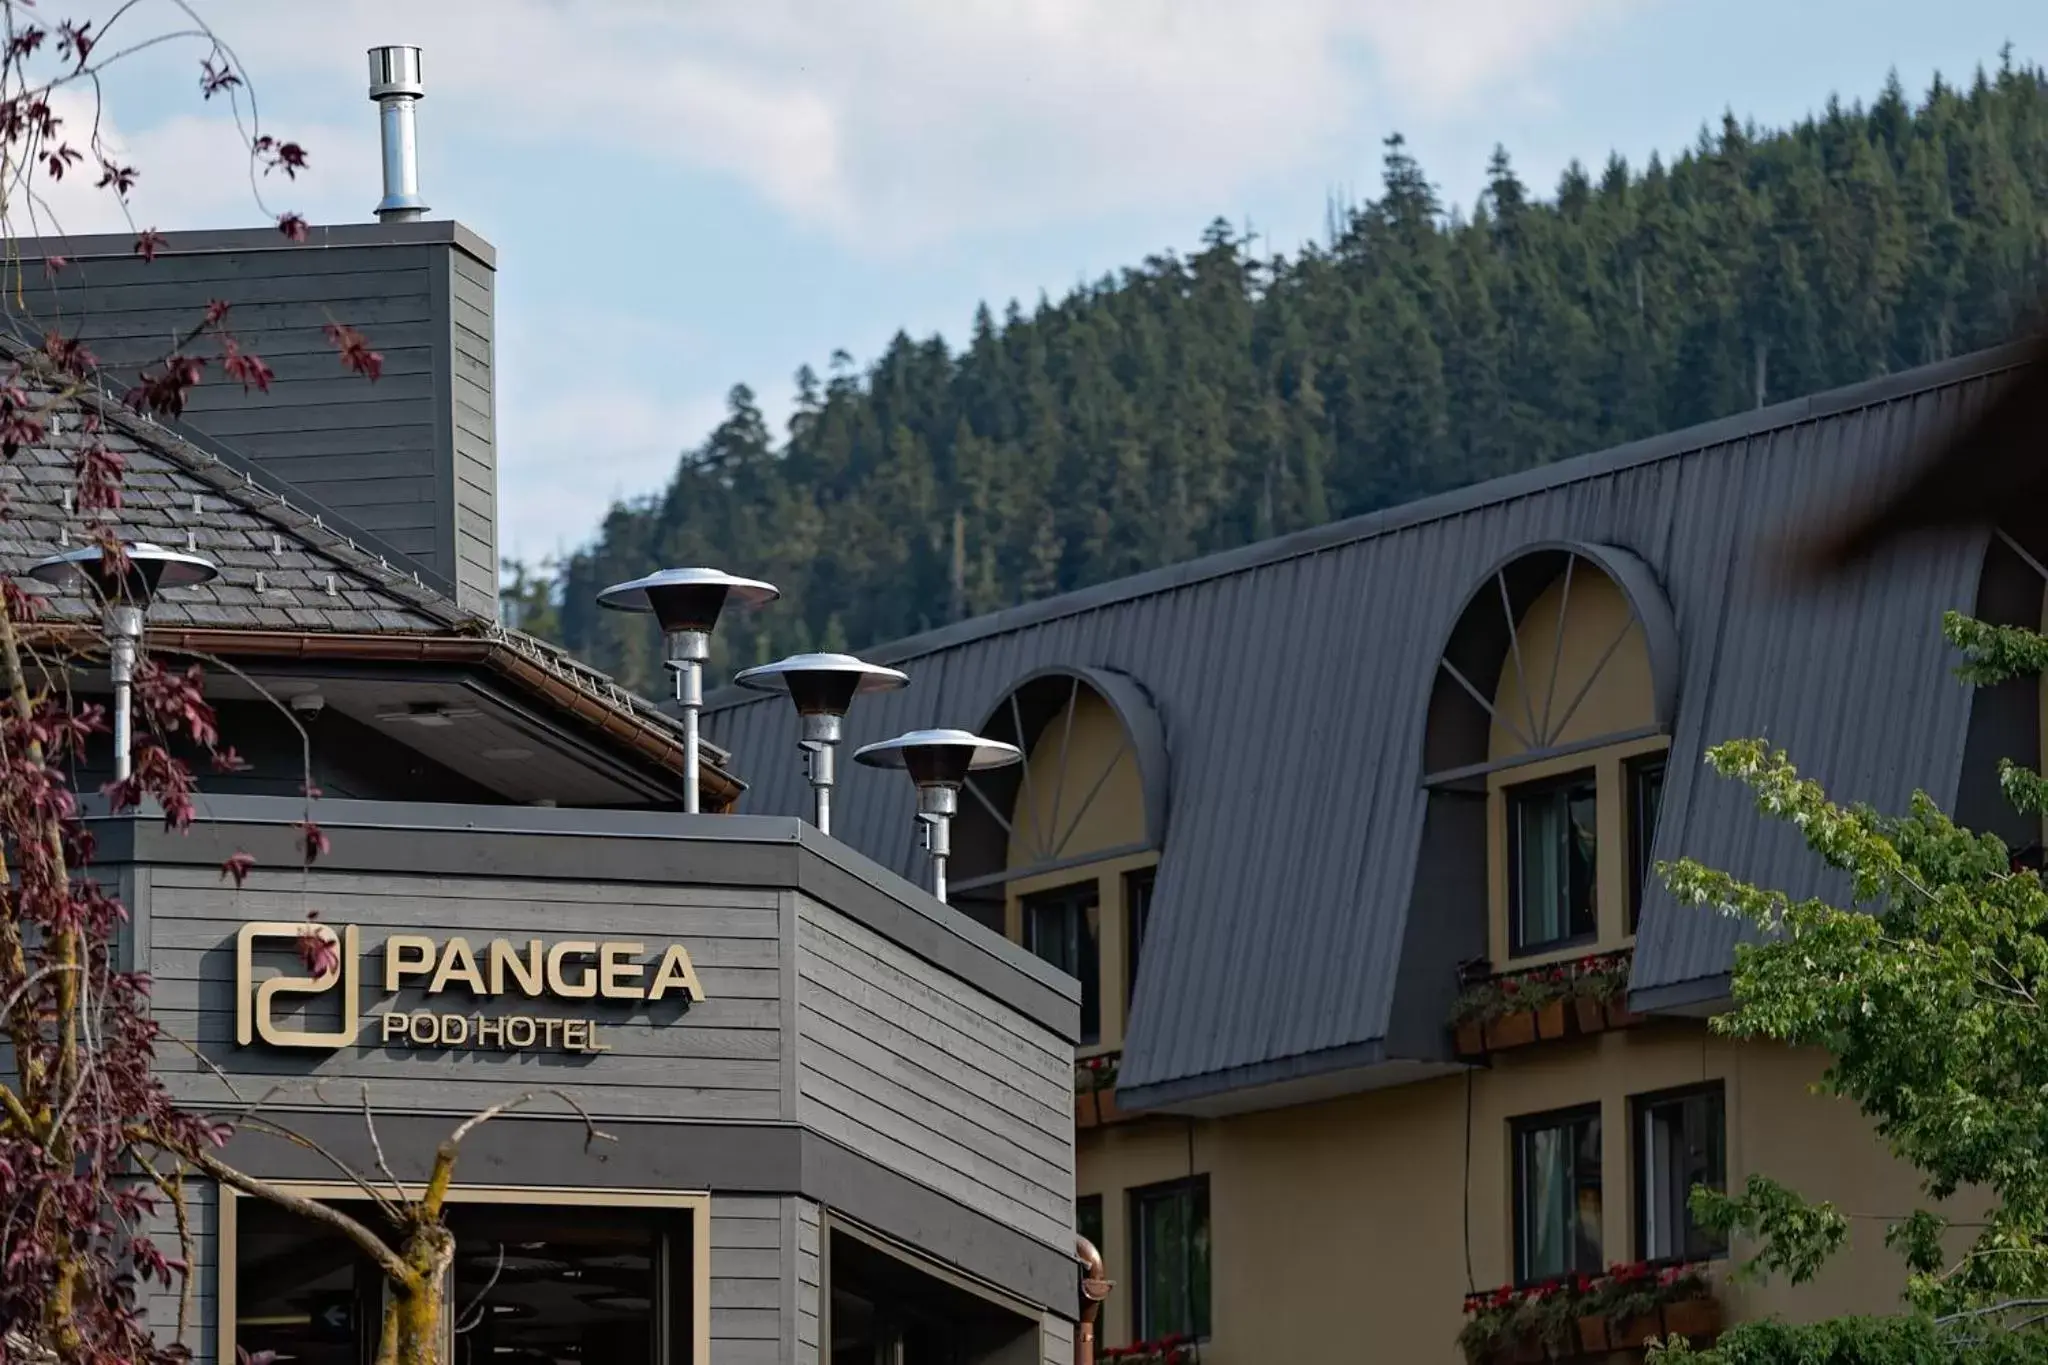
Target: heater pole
[124,632]
[819,741]
[936,806]
[687,651]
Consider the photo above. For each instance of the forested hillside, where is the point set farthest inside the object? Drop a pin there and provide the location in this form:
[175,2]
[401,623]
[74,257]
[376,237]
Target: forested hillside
[1195,403]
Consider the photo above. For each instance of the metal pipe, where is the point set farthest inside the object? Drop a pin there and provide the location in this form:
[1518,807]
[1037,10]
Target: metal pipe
[124,633]
[819,741]
[936,807]
[687,651]
[1095,1287]
[396,87]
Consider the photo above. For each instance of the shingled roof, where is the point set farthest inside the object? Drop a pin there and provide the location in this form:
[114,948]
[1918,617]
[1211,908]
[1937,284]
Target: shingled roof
[294,578]
[1302,928]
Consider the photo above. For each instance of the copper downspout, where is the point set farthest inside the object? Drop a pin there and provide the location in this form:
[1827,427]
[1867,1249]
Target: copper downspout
[1095,1287]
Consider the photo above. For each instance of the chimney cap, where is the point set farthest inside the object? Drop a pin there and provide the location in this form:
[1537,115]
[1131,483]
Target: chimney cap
[395,70]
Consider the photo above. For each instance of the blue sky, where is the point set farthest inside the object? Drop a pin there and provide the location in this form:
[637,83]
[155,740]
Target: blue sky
[687,195]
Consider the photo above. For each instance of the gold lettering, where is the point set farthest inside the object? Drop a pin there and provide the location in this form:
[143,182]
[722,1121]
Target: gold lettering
[594,1045]
[406,955]
[676,973]
[621,978]
[458,963]
[575,1033]
[514,1026]
[583,987]
[490,1031]
[527,972]
[426,1028]
[394,1025]
[548,1029]
[454,1030]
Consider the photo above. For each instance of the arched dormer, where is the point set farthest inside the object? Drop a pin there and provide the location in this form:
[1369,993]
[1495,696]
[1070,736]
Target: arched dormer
[1553,703]
[2007,721]
[1058,852]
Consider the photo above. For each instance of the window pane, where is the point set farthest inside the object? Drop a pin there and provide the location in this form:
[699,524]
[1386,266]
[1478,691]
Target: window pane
[1172,1246]
[1137,910]
[1064,928]
[1088,1218]
[1646,795]
[1557,1219]
[1683,1144]
[1555,864]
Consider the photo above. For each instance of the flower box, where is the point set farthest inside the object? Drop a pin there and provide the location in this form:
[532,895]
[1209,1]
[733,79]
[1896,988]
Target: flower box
[1511,1030]
[1471,1038]
[1592,1334]
[1589,1015]
[1631,1333]
[1619,1015]
[1550,1020]
[1693,1318]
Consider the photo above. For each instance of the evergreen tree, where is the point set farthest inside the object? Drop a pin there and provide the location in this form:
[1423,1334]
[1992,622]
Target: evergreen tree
[1196,402]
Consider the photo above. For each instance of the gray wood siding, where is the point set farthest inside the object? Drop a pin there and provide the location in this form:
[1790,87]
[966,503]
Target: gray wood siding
[160,1304]
[933,1079]
[809,1282]
[753,1284]
[723,1060]
[409,459]
[1058,1338]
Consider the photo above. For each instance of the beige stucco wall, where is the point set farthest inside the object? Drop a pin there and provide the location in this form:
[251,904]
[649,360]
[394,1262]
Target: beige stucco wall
[1337,1228]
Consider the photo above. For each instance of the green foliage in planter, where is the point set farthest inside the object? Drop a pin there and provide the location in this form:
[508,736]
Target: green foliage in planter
[1095,1073]
[1601,977]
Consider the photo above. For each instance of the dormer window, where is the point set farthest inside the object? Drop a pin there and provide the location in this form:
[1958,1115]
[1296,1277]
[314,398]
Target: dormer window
[1553,849]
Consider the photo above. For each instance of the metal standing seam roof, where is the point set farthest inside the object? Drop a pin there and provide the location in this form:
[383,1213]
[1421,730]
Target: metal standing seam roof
[1292,679]
[286,564]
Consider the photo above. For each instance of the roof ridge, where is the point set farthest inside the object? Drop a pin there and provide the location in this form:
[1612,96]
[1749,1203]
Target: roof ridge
[1437,507]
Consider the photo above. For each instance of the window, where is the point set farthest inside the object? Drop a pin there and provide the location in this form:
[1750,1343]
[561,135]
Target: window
[1552,868]
[1088,1218]
[1064,927]
[1681,1141]
[1557,1195]
[1137,910]
[1170,1242]
[1645,795]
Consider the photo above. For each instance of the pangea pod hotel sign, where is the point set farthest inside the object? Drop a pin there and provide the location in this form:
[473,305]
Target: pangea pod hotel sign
[464,988]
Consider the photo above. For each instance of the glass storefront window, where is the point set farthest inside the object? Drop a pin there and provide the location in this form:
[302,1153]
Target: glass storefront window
[532,1285]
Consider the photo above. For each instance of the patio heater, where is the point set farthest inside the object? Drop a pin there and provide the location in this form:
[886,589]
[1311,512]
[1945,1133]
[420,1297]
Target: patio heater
[822,686]
[687,602]
[124,594]
[938,762]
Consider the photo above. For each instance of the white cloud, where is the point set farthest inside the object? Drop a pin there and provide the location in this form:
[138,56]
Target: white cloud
[896,123]
[567,452]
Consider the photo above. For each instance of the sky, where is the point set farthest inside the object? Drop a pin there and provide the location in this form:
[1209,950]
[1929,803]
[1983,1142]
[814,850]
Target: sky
[690,194]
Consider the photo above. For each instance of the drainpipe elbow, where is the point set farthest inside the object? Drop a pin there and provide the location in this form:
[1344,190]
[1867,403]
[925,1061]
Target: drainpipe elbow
[1095,1287]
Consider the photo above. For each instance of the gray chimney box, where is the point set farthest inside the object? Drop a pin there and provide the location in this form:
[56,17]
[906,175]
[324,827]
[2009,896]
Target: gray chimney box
[409,461]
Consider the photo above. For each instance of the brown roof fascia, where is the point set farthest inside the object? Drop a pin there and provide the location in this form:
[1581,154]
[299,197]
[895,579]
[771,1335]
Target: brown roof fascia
[721,788]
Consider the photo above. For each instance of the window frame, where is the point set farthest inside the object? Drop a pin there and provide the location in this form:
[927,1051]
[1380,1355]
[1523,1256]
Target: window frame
[1137,919]
[1086,894]
[1512,796]
[1640,839]
[1197,1187]
[1638,1108]
[1519,1128]
[1099,1205]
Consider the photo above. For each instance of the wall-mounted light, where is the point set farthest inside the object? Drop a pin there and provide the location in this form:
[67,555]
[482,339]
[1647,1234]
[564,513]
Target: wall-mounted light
[938,762]
[687,603]
[125,593]
[822,686]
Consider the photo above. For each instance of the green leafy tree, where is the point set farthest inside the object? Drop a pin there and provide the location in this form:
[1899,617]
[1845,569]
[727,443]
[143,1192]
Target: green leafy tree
[1926,991]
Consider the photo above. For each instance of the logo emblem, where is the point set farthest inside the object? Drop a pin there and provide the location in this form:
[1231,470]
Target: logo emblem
[253,999]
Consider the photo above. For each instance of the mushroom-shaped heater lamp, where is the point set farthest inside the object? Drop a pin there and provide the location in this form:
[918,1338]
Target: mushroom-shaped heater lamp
[124,592]
[822,686]
[687,603]
[938,762]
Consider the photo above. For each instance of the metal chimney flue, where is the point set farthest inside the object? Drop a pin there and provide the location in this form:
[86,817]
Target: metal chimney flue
[396,88]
